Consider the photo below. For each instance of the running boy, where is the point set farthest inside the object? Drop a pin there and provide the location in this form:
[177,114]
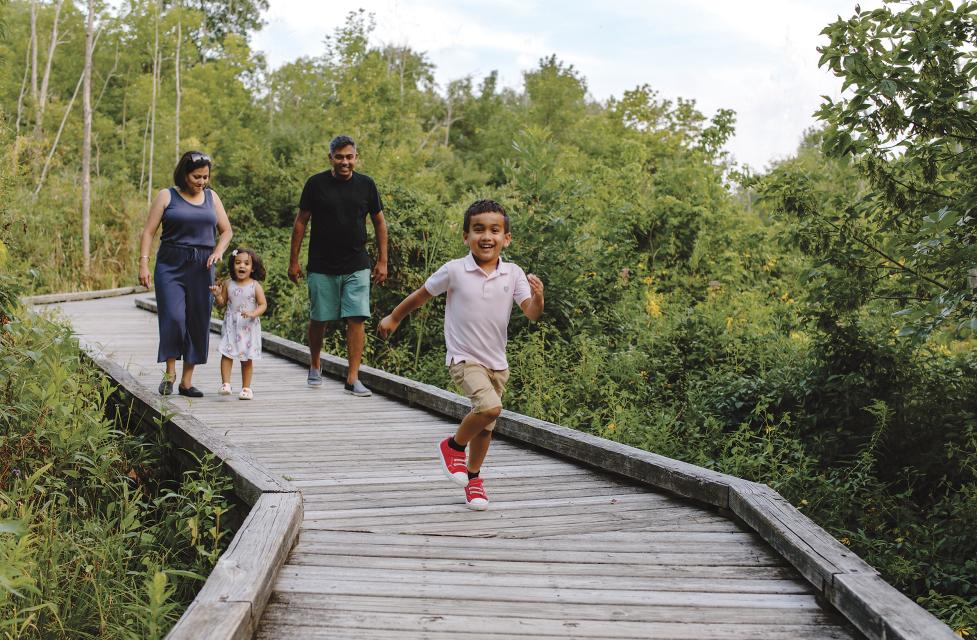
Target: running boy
[481,289]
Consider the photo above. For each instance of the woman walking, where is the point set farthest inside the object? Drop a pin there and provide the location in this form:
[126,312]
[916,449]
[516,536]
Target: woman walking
[188,212]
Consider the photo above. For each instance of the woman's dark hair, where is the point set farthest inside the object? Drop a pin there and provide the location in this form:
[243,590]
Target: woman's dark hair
[188,162]
[257,268]
[485,206]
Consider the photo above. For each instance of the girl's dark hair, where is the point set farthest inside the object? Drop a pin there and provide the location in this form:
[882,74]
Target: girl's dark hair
[188,162]
[484,206]
[257,268]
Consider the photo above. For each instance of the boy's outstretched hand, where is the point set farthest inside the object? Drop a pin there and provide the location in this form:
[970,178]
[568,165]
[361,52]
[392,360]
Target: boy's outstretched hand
[387,326]
[533,305]
[535,285]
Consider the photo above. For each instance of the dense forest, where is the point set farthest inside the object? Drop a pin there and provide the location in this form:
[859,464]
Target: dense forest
[810,326]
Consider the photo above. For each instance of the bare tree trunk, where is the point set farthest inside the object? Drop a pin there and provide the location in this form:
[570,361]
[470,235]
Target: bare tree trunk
[42,97]
[57,137]
[86,145]
[152,126]
[448,121]
[145,140]
[23,90]
[34,57]
[125,119]
[179,39]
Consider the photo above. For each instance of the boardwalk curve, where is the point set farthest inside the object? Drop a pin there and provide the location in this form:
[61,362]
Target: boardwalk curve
[599,541]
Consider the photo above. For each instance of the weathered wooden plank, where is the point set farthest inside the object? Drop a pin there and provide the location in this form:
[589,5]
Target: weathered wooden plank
[529,516]
[755,558]
[880,611]
[312,603]
[246,571]
[608,597]
[70,296]
[214,621]
[465,625]
[720,573]
[807,546]
[449,578]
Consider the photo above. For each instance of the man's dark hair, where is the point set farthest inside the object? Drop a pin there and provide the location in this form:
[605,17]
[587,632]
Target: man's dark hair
[339,142]
[188,162]
[485,206]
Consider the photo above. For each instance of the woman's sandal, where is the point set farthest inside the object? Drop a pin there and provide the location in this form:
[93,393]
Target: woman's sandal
[190,392]
[246,394]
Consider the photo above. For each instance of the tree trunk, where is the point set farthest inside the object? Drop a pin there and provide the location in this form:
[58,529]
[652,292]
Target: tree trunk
[57,137]
[42,96]
[179,38]
[34,57]
[86,145]
[447,122]
[23,90]
[152,107]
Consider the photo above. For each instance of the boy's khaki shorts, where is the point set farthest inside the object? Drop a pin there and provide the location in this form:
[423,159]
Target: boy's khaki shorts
[483,385]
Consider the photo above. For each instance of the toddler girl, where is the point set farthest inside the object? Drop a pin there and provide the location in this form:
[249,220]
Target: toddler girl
[241,333]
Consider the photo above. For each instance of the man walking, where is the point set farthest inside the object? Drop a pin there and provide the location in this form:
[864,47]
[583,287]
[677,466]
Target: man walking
[337,203]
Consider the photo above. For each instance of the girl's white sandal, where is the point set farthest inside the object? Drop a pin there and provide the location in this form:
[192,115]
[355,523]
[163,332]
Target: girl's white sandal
[246,394]
[225,389]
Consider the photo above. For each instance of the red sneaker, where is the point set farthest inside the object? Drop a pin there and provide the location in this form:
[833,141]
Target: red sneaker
[453,464]
[475,495]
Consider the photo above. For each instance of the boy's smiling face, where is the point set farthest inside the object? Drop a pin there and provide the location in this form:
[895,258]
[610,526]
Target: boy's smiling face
[487,237]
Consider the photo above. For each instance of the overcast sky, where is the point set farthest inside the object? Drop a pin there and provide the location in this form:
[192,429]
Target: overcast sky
[757,57]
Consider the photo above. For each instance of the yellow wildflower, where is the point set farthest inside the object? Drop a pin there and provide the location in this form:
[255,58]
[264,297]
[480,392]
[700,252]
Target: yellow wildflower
[653,304]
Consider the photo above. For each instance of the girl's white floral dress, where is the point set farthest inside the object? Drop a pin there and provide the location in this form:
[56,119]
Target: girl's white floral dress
[240,336]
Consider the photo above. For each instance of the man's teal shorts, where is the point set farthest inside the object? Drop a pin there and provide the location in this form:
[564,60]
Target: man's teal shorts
[342,296]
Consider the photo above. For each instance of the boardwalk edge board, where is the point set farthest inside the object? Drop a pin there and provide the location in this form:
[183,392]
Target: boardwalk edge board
[232,600]
[874,607]
[73,296]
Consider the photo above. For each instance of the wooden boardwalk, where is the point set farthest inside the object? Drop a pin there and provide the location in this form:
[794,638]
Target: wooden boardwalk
[387,548]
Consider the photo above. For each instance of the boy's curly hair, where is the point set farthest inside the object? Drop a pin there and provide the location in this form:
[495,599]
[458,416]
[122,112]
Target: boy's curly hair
[484,206]
[257,267]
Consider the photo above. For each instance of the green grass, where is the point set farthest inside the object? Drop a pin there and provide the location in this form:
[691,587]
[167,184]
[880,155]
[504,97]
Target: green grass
[99,536]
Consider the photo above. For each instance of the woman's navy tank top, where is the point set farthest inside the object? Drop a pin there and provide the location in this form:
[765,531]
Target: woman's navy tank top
[189,224]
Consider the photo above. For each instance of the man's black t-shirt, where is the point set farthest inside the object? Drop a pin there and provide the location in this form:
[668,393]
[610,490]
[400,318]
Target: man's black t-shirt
[337,243]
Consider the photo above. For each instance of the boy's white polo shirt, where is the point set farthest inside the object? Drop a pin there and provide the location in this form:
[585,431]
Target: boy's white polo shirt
[478,307]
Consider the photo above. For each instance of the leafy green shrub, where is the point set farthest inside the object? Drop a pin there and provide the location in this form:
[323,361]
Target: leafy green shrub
[95,539]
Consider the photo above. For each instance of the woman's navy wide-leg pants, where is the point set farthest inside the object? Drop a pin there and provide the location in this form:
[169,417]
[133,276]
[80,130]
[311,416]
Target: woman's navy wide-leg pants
[183,299]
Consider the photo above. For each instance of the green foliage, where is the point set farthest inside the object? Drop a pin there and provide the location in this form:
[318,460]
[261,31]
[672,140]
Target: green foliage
[911,125]
[95,540]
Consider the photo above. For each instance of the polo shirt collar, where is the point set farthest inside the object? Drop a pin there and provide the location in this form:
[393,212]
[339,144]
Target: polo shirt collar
[470,265]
